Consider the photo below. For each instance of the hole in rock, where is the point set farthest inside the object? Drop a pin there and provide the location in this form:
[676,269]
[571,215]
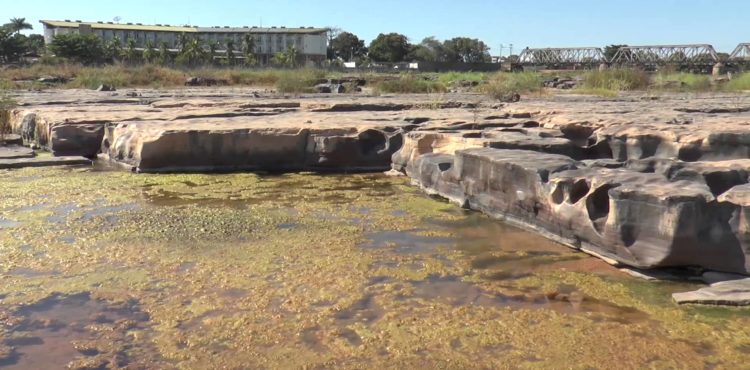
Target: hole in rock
[445,166]
[371,141]
[720,182]
[579,190]
[557,194]
[597,206]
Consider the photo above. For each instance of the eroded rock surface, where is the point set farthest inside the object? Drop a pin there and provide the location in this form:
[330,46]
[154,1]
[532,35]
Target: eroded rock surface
[645,181]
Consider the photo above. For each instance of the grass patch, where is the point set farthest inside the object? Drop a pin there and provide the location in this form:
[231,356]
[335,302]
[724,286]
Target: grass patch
[450,78]
[502,84]
[621,79]
[410,84]
[683,81]
[298,80]
[739,82]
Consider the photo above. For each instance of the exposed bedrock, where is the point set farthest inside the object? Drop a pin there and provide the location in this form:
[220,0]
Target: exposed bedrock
[640,219]
[152,147]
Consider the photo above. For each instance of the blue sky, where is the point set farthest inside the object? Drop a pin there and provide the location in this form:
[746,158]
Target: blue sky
[535,23]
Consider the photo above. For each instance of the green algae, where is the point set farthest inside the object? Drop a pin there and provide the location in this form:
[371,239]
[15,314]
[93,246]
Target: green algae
[244,270]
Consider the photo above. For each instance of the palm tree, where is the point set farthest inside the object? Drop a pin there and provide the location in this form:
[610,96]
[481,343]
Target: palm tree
[230,51]
[291,56]
[164,56]
[248,49]
[113,49]
[17,25]
[193,53]
[212,46]
[182,42]
[130,55]
[149,54]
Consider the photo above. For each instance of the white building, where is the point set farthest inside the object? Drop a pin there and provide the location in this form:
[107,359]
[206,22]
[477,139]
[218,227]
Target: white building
[310,42]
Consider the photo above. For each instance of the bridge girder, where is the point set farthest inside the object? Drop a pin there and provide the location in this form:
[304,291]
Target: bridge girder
[741,53]
[695,54]
[562,56]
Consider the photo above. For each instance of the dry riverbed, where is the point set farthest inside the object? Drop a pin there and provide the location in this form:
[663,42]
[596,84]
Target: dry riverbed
[110,269]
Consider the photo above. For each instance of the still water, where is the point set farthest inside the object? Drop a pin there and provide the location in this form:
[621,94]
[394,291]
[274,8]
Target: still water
[116,270]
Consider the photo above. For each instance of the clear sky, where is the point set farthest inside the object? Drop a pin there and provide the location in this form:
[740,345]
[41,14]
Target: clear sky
[534,23]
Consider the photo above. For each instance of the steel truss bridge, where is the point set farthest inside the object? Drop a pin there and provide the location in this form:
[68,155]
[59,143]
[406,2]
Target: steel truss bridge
[562,56]
[692,55]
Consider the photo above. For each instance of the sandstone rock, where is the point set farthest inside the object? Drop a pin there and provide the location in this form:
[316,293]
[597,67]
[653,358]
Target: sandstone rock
[15,151]
[106,88]
[732,292]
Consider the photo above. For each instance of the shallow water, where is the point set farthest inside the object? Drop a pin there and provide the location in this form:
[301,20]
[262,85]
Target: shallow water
[108,268]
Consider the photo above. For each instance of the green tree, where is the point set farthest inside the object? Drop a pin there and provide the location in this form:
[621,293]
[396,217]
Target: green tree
[16,25]
[130,55]
[192,54]
[611,50]
[149,53]
[429,50]
[212,47]
[248,49]
[165,57]
[467,50]
[12,45]
[229,44]
[35,44]
[392,47]
[347,46]
[287,58]
[113,49]
[86,49]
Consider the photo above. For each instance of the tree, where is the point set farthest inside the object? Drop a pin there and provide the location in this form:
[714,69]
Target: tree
[611,50]
[113,49]
[429,50]
[192,54]
[230,51]
[331,34]
[12,45]
[248,49]
[149,53]
[287,58]
[212,46]
[17,25]
[347,46]
[35,44]
[164,56]
[86,49]
[392,47]
[130,55]
[467,50]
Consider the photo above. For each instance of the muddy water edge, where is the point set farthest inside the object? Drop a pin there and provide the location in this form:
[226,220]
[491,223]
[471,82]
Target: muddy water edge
[110,269]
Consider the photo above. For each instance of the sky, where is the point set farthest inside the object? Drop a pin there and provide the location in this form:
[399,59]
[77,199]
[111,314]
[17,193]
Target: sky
[535,23]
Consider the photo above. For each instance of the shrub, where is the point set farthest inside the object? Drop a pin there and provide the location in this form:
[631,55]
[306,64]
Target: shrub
[619,79]
[297,81]
[739,82]
[686,81]
[503,84]
[410,84]
[6,104]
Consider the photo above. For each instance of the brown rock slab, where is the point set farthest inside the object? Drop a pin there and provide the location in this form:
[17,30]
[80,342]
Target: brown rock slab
[43,162]
[731,293]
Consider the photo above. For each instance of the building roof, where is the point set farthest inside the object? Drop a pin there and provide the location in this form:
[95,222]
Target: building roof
[169,28]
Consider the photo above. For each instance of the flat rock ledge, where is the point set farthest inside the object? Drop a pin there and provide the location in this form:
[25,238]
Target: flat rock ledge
[731,293]
[43,162]
[644,183]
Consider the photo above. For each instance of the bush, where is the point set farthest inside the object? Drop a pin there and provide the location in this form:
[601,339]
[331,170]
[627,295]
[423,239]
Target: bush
[298,81]
[739,83]
[686,81]
[619,79]
[503,84]
[85,49]
[6,104]
[410,84]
